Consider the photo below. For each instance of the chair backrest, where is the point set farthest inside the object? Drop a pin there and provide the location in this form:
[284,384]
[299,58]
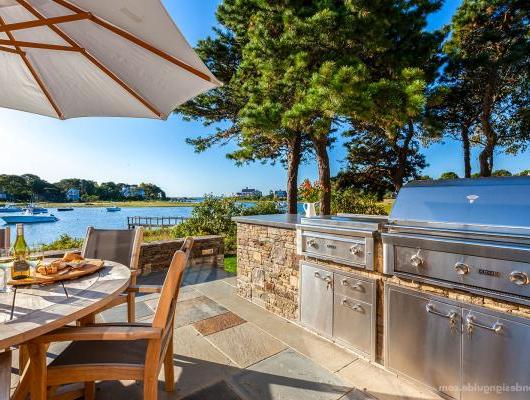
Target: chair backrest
[5,238]
[168,297]
[118,245]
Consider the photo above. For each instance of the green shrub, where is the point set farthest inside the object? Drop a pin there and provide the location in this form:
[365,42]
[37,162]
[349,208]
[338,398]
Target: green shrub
[213,217]
[354,202]
[64,242]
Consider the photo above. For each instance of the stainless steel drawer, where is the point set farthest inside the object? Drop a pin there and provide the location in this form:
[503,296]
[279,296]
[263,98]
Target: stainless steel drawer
[354,287]
[489,273]
[353,323]
[341,249]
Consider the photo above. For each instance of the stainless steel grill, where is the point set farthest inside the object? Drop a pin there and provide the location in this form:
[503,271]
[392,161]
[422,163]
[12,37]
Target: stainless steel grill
[470,234]
[344,239]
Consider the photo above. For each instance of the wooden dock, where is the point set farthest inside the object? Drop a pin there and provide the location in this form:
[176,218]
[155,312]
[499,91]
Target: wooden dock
[154,222]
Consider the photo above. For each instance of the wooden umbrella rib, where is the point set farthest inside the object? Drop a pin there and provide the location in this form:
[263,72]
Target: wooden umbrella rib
[35,45]
[44,22]
[92,59]
[9,50]
[139,42]
[34,73]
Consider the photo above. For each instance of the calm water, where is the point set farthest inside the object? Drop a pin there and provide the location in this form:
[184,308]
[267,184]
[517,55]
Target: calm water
[75,223]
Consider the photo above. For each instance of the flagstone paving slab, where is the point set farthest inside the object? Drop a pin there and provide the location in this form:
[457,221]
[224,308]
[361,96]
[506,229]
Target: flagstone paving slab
[219,391]
[198,364]
[219,323]
[246,344]
[288,376]
[199,308]
[119,314]
[382,384]
[312,346]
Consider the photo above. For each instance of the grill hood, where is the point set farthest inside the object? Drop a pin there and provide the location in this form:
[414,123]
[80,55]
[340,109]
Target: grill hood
[490,205]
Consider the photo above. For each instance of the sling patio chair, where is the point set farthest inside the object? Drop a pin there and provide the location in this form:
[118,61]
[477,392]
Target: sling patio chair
[118,245]
[114,351]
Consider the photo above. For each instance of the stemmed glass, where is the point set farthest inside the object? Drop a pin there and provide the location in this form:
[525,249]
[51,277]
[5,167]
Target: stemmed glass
[5,263]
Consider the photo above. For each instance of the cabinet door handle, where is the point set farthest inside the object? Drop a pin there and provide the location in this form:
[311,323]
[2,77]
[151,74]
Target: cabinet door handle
[356,285]
[497,327]
[354,307]
[451,315]
[326,279]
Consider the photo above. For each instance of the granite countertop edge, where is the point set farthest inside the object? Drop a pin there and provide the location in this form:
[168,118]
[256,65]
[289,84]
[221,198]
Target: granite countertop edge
[286,221]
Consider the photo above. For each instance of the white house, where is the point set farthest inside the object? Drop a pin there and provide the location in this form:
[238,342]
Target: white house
[246,192]
[132,191]
[73,194]
[3,195]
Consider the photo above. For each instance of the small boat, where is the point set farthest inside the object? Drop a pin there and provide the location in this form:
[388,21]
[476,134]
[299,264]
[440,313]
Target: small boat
[10,208]
[28,219]
[65,209]
[34,209]
[113,209]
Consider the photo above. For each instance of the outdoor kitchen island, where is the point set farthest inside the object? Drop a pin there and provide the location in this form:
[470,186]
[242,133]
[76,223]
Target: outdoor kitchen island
[445,307]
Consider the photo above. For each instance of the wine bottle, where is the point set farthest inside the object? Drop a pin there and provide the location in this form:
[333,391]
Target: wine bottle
[20,268]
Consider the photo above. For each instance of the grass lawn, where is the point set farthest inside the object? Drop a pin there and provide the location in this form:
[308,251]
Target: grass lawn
[231,264]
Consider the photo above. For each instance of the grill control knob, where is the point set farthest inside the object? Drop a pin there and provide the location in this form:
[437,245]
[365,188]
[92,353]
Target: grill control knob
[416,260]
[312,243]
[461,268]
[519,278]
[356,250]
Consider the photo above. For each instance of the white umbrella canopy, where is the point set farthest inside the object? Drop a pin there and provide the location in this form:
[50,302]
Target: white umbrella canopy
[78,58]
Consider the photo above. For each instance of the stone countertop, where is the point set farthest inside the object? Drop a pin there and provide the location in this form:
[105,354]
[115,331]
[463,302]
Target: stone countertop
[286,221]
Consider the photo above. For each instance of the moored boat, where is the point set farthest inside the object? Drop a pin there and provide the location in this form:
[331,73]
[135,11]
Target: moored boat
[28,219]
[65,209]
[10,208]
[113,209]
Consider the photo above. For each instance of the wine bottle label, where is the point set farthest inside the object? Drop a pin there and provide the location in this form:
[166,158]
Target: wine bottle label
[20,266]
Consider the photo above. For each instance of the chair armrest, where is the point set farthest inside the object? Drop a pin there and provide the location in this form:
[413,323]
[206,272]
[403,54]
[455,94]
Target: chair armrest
[67,334]
[144,289]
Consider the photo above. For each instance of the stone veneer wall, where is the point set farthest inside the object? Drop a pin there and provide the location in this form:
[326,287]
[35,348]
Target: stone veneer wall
[268,268]
[207,251]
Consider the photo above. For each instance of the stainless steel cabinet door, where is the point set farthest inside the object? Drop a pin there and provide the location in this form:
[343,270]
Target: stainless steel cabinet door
[353,323]
[496,358]
[316,299]
[423,340]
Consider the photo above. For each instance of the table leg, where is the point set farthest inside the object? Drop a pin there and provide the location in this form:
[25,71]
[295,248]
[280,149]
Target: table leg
[5,374]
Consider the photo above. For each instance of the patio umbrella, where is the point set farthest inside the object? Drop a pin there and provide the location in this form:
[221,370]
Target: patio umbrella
[75,58]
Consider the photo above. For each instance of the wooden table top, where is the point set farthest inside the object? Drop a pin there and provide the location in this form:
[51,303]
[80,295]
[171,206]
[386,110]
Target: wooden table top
[41,309]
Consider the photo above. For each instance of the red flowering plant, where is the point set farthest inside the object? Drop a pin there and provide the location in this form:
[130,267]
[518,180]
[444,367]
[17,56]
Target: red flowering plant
[309,192]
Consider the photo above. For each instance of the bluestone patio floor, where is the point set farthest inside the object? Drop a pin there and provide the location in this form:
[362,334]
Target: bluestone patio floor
[226,348]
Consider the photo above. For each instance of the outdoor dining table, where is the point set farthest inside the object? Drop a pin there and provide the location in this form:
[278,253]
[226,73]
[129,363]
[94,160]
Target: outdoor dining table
[37,310]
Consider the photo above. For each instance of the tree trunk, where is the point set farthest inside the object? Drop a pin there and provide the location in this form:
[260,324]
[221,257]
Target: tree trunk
[467,151]
[402,155]
[321,150]
[293,162]
[486,156]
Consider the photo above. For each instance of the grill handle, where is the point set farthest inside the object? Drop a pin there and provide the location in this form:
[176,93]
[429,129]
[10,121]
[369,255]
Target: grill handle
[497,327]
[356,286]
[450,315]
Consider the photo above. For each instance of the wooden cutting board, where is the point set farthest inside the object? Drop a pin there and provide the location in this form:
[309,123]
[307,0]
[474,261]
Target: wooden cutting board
[89,267]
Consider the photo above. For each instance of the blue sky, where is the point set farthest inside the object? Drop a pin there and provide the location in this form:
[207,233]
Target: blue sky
[134,150]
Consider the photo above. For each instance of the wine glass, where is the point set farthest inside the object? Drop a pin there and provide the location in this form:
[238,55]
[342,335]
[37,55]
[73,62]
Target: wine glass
[35,257]
[5,265]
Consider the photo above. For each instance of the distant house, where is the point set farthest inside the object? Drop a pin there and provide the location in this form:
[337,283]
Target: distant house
[3,195]
[246,192]
[132,191]
[280,194]
[73,194]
